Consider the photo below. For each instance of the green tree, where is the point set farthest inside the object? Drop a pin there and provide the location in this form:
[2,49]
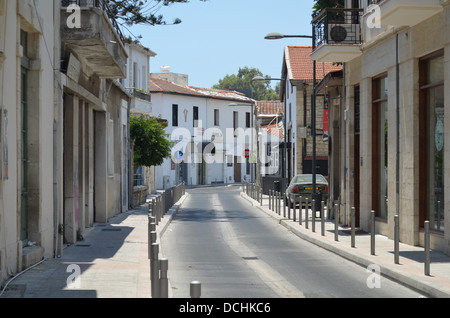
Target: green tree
[320,5]
[243,82]
[132,12]
[151,143]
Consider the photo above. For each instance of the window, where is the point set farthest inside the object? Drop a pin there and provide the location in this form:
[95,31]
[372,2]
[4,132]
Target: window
[195,116]
[380,145]
[247,120]
[229,160]
[175,115]
[216,117]
[431,141]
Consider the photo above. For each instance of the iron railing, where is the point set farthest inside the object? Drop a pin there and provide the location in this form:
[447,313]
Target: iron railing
[337,26]
[101,4]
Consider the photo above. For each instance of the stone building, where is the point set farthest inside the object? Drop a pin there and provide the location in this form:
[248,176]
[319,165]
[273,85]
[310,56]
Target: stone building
[296,92]
[396,76]
[94,119]
[29,94]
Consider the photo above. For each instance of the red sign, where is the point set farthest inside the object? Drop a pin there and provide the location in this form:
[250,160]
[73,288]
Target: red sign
[247,153]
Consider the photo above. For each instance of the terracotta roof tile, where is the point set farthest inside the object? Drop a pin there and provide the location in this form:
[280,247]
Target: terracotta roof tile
[270,107]
[300,66]
[163,86]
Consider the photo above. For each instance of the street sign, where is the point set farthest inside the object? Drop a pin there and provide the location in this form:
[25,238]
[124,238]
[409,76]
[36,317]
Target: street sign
[247,153]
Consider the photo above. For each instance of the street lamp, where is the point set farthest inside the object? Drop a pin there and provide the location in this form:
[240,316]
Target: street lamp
[277,36]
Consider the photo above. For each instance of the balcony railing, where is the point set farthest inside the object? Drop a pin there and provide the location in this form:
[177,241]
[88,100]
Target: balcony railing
[337,27]
[101,4]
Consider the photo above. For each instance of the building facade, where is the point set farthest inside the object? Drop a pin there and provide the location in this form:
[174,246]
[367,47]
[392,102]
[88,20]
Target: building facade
[396,71]
[136,83]
[94,126]
[198,117]
[297,93]
[28,96]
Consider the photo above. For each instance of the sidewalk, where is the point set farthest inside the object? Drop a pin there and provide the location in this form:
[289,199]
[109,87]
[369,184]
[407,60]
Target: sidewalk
[409,271]
[112,258]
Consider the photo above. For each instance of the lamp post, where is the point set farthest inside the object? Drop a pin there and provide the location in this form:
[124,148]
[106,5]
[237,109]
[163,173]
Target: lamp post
[277,36]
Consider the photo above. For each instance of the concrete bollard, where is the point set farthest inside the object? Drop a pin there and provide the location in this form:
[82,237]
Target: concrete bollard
[270,199]
[196,289]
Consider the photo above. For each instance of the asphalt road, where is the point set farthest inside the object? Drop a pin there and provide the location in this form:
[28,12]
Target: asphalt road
[236,251]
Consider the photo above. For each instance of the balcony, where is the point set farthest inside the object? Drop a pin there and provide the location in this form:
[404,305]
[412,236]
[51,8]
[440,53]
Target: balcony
[97,40]
[337,35]
[407,12]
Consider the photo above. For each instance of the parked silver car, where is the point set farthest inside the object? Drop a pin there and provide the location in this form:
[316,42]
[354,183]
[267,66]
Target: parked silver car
[301,185]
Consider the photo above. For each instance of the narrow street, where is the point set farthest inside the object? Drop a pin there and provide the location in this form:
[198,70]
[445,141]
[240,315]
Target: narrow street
[236,251]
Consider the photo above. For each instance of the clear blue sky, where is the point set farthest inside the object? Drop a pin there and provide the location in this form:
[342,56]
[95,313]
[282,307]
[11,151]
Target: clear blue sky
[219,36]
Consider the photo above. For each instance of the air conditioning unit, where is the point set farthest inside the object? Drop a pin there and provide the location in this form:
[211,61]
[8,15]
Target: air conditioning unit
[344,34]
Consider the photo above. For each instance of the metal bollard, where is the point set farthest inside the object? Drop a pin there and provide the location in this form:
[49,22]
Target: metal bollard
[279,203]
[276,201]
[313,215]
[306,213]
[300,210]
[154,270]
[294,205]
[270,199]
[427,248]
[294,212]
[289,205]
[277,210]
[163,281]
[352,220]
[284,204]
[336,222]
[152,238]
[372,232]
[196,289]
[322,219]
[396,240]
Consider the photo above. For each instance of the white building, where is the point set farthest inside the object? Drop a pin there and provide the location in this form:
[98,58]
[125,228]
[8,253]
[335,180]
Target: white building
[200,115]
[136,82]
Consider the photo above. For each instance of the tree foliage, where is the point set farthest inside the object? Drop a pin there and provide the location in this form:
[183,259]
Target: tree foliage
[243,82]
[151,144]
[132,12]
[320,5]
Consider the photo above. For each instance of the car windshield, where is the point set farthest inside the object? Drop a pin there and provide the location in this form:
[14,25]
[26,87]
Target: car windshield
[308,179]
